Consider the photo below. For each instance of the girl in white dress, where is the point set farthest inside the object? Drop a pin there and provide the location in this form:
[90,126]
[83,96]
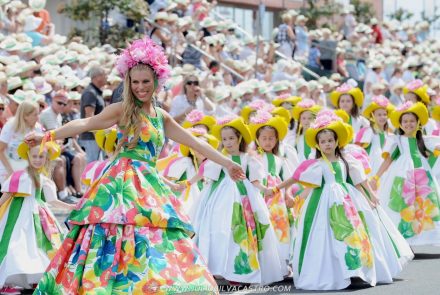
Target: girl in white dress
[373,137]
[29,232]
[183,171]
[268,131]
[232,224]
[408,189]
[339,235]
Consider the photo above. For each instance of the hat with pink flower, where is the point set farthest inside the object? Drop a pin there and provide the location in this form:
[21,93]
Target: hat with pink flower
[144,51]
[355,92]
[418,88]
[418,108]
[197,117]
[378,102]
[305,105]
[263,118]
[235,122]
[254,106]
[327,119]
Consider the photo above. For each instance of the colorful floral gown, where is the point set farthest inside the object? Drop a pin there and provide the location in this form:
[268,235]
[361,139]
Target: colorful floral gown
[275,171]
[128,235]
[339,236]
[181,169]
[29,233]
[233,229]
[409,191]
[373,144]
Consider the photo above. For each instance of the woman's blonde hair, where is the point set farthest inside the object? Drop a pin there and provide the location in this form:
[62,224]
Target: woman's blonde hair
[24,109]
[131,110]
[35,173]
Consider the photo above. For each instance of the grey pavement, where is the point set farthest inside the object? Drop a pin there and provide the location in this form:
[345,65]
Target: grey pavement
[420,277]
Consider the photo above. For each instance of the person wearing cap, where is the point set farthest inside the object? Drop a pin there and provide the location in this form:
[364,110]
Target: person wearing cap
[286,36]
[192,98]
[374,76]
[92,104]
[156,34]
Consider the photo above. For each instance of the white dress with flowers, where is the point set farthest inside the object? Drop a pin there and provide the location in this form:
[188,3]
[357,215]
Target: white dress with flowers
[373,144]
[409,191]
[181,169]
[339,236]
[233,229]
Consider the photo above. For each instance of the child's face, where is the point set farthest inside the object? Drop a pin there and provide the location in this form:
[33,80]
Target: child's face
[267,139]
[230,140]
[408,123]
[346,103]
[410,96]
[37,160]
[306,119]
[327,142]
[381,116]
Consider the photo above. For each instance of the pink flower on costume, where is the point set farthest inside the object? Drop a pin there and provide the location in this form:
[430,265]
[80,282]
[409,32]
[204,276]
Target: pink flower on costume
[416,185]
[257,104]
[284,96]
[248,214]
[261,117]
[226,119]
[344,88]
[306,103]
[381,100]
[351,212]
[194,116]
[414,85]
[405,106]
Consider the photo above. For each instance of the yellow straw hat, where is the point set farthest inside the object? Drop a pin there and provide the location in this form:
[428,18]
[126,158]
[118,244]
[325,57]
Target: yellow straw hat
[53,150]
[199,132]
[378,102]
[418,108]
[283,113]
[234,122]
[345,88]
[419,88]
[286,98]
[107,139]
[305,105]
[436,113]
[264,118]
[197,117]
[328,120]
[343,115]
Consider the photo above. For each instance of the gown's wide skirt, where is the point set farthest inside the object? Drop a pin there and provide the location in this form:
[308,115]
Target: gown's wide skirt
[127,237]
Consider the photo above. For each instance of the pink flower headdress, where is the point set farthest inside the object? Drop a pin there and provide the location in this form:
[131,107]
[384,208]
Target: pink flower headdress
[194,116]
[226,119]
[344,88]
[144,51]
[306,103]
[405,106]
[324,118]
[380,100]
[261,117]
[414,85]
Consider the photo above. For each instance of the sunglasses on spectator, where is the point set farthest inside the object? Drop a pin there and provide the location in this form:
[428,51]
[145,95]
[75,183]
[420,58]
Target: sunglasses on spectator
[60,103]
[77,103]
[42,106]
[195,83]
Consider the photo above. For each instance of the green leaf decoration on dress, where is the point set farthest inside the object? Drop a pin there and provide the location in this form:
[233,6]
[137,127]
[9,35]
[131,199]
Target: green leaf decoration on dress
[406,229]
[241,264]
[238,224]
[362,217]
[352,258]
[261,231]
[339,222]
[397,203]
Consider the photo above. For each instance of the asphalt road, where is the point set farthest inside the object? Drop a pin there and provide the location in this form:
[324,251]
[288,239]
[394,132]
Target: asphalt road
[420,277]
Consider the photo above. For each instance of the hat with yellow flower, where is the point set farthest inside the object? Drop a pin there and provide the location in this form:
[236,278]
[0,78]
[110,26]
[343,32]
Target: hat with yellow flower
[53,150]
[346,88]
[327,119]
[418,108]
[418,88]
[378,102]
[235,122]
[199,132]
[264,118]
[305,105]
[196,117]
[435,112]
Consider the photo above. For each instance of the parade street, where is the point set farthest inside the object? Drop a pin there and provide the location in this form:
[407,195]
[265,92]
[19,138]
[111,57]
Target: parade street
[420,277]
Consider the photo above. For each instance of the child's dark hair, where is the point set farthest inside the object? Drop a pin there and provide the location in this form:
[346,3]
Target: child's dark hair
[338,152]
[243,145]
[276,148]
[354,112]
[419,137]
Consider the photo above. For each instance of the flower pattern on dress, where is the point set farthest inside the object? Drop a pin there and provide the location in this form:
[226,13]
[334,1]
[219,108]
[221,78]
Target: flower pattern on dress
[416,185]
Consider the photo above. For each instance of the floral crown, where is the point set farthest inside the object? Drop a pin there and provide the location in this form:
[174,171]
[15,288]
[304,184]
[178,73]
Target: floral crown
[325,118]
[144,51]
[226,119]
[261,117]
[344,88]
[194,116]
[380,100]
[306,103]
[414,85]
[405,106]
[260,104]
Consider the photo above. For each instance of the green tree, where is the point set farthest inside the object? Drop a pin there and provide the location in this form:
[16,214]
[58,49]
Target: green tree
[364,11]
[314,11]
[401,15]
[96,14]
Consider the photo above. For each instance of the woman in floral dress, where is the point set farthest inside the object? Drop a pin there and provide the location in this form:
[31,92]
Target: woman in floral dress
[128,235]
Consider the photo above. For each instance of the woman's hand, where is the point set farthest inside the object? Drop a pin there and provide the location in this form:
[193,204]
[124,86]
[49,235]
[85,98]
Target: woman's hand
[268,191]
[235,171]
[33,138]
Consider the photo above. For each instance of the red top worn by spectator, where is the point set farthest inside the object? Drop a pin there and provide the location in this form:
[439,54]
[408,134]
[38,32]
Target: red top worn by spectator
[377,33]
[45,16]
